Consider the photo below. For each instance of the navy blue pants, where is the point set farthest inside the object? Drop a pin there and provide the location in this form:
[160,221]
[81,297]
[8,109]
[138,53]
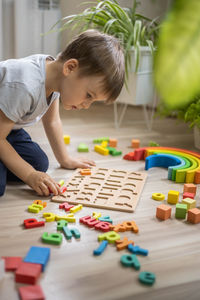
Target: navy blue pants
[28,150]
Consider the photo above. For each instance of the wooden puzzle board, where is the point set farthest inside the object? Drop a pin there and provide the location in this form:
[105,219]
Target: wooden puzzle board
[104,188]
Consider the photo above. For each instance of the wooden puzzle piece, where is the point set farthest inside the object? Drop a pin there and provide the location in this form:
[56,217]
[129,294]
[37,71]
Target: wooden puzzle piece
[104,188]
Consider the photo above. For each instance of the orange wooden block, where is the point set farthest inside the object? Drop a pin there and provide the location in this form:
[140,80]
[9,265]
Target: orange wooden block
[193,215]
[163,212]
[85,172]
[112,143]
[135,143]
[40,202]
[197,177]
[190,188]
[122,244]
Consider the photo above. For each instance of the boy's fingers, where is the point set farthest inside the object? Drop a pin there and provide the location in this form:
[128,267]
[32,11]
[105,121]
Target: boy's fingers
[44,189]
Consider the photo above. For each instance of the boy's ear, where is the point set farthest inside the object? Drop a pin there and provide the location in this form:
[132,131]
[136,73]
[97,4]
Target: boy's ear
[69,66]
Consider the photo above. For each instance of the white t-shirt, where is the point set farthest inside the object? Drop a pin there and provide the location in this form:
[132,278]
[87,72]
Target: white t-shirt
[22,89]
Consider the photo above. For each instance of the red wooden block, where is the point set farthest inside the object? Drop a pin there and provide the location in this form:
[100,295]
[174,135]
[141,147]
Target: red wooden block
[188,195]
[12,262]
[139,154]
[28,273]
[66,206]
[32,222]
[193,215]
[129,156]
[31,292]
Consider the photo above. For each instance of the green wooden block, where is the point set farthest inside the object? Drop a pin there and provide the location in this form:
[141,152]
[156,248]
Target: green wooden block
[52,238]
[147,278]
[114,151]
[153,144]
[100,140]
[61,224]
[130,260]
[181,210]
[83,148]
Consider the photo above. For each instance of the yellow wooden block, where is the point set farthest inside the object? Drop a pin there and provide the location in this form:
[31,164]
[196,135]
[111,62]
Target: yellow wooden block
[173,197]
[104,144]
[66,139]
[61,182]
[191,203]
[96,215]
[49,217]
[101,150]
[76,208]
[158,196]
[35,208]
[69,218]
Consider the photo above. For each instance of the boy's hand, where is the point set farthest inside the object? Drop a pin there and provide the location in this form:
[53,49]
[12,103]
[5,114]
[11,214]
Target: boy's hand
[42,183]
[73,163]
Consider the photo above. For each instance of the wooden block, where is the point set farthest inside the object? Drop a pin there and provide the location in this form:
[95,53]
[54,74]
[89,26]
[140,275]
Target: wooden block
[113,143]
[110,236]
[188,195]
[101,248]
[83,148]
[101,150]
[129,156]
[38,255]
[197,177]
[158,196]
[190,188]
[104,188]
[40,202]
[104,144]
[28,273]
[163,212]
[193,215]
[181,210]
[100,140]
[12,262]
[31,292]
[32,223]
[122,244]
[49,217]
[173,197]
[135,143]
[191,203]
[85,172]
[66,139]
[52,238]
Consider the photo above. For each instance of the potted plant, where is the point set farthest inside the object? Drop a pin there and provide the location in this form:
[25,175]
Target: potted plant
[137,34]
[190,114]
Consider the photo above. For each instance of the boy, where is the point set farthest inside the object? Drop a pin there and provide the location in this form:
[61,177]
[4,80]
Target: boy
[90,69]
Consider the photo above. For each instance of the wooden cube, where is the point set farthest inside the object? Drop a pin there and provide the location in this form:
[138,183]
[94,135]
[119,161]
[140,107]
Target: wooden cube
[191,203]
[173,197]
[66,139]
[197,177]
[163,212]
[190,188]
[113,143]
[135,143]
[188,195]
[181,210]
[193,215]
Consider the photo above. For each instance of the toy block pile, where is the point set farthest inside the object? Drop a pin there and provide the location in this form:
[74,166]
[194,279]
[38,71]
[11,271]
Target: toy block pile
[187,206]
[107,146]
[28,270]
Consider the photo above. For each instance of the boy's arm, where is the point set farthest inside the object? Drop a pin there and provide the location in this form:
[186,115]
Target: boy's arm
[54,131]
[39,181]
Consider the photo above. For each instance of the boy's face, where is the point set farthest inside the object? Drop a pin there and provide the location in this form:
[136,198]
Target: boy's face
[80,92]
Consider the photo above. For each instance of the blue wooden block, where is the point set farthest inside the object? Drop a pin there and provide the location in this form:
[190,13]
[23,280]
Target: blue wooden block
[101,248]
[38,255]
[161,160]
[137,250]
[105,219]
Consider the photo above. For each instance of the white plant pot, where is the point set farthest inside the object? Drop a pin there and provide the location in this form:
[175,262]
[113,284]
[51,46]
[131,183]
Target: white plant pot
[197,137]
[140,84]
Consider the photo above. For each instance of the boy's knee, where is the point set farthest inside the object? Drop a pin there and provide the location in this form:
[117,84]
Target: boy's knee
[2,190]
[42,162]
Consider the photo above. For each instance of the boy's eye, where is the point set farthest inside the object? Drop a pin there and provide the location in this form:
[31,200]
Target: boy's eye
[89,96]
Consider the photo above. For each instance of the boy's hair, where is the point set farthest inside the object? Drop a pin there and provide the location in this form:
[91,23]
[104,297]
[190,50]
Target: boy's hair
[98,54]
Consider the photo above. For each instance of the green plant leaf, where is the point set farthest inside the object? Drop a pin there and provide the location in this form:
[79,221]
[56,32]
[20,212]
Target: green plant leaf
[177,61]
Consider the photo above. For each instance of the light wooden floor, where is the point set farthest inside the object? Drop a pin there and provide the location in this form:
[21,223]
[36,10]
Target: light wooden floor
[73,272]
